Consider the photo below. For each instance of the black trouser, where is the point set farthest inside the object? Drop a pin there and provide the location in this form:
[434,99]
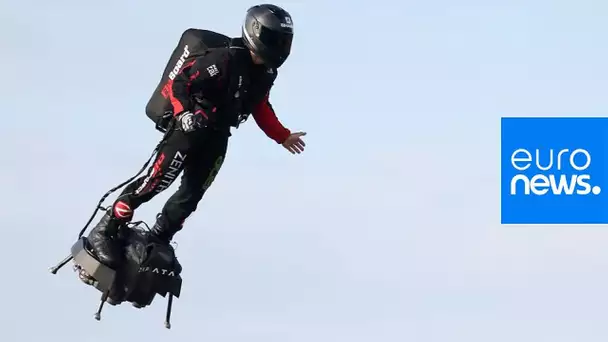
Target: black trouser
[199,154]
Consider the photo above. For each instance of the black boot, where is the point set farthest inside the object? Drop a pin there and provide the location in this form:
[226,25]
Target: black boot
[103,240]
[160,232]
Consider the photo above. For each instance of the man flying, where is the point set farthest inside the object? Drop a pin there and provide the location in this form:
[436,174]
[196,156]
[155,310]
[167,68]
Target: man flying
[207,95]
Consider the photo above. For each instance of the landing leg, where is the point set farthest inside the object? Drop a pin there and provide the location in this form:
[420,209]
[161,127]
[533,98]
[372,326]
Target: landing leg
[168,317]
[104,297]
[61,264]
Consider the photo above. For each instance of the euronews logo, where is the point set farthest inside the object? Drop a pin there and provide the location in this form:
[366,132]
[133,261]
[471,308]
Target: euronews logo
[561,173]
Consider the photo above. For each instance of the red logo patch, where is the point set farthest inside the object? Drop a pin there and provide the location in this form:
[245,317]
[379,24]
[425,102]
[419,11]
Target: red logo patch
[122,210]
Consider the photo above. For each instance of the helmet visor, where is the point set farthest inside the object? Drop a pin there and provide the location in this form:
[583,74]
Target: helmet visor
[276,41]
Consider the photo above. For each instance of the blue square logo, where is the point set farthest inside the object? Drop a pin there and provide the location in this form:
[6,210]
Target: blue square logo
[553,170]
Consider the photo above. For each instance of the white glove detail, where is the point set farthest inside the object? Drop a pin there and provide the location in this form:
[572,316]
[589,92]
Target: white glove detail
[188,121]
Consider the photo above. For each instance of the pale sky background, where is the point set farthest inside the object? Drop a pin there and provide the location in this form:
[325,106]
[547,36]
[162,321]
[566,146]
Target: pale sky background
[386,229]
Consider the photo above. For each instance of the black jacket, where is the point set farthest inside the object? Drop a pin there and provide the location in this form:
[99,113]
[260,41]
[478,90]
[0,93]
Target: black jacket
[225,79]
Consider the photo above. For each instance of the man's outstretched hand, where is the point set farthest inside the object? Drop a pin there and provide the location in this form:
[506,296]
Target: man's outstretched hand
[294,143]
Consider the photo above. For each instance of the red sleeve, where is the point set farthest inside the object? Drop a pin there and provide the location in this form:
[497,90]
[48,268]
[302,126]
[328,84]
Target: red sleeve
[267,120]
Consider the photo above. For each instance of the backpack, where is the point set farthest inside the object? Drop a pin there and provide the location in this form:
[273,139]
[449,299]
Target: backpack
[193,43]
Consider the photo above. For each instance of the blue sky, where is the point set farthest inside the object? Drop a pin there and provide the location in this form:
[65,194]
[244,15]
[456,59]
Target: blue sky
[385,229]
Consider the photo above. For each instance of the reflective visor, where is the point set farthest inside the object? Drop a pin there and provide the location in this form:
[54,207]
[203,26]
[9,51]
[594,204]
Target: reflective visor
[276,41]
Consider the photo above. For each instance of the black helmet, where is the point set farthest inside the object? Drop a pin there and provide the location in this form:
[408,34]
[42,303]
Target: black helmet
[268,33]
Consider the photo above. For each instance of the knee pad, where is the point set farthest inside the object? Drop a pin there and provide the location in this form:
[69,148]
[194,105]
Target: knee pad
[122,211]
